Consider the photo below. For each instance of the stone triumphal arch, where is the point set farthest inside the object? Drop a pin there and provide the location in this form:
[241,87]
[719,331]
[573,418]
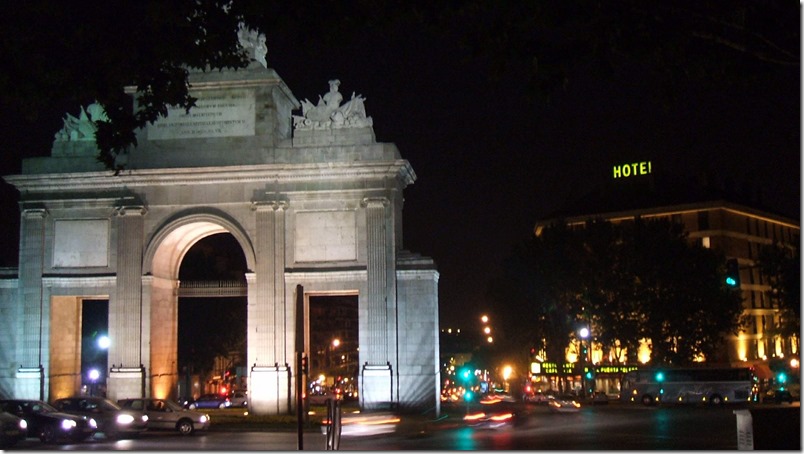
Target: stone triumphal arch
[313,200]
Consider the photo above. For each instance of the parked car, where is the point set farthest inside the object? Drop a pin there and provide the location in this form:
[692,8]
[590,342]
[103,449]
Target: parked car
[47,423]
[12,430]
[168,415]
[112,420]
[778,396]
[321,397]
[599,398]
[239,398]
[210,401]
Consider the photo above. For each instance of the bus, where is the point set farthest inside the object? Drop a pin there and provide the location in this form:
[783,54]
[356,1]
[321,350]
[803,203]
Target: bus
[691,385]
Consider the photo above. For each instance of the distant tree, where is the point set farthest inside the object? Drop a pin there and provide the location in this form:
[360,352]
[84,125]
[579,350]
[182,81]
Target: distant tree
[685,307]
[628,282]
[781,265]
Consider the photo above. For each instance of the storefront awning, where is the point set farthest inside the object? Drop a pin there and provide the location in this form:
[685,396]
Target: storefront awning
[762,371]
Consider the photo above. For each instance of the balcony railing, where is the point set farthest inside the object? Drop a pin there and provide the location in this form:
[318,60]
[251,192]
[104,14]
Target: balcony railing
[196,289]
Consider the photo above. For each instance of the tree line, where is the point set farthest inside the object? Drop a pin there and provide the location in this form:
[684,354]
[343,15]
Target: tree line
[628,282]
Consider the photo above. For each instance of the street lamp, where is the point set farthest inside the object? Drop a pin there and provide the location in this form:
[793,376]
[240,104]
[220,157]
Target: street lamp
[94,375]
[507,372]
[584,333]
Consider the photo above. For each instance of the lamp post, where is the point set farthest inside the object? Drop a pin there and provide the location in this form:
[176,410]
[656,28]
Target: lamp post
[584,333]
[93,380]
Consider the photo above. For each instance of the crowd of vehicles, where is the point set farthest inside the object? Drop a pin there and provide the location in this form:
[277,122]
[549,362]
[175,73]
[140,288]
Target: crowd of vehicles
[79,418]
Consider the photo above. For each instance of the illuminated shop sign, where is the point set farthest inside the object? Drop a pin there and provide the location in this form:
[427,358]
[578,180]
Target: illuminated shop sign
[632,170]
[552,368]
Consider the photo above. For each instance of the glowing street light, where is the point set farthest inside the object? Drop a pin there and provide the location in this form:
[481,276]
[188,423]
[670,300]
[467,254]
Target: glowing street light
[94,375]
[584,332]
[484,318]
[104,342]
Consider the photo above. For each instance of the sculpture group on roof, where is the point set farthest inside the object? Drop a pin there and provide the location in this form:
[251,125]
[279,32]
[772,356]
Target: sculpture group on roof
[330,114]
[254,43]
[83,127]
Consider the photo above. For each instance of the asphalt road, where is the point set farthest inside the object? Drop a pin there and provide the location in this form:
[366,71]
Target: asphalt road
[605,427]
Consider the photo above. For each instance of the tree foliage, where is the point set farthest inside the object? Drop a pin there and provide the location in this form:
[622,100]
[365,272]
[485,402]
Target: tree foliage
[712,42]
[69,53]
[781,265]
[77,57]
[628,281]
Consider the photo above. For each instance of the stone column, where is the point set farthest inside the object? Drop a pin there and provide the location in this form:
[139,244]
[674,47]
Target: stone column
[269,377]
[126,376]
[30,379]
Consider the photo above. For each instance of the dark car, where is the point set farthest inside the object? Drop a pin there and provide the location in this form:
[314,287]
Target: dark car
[778,396]
[167,415]
[12,430]
[210,401]
[49,424]
[112,420]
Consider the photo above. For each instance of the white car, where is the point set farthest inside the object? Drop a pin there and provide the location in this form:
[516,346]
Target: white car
[239,398]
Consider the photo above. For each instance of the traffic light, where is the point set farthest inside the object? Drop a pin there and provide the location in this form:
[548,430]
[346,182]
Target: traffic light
[732,273]
[304,366]
[468,396]
[590,374]
[465,374]
[659,376]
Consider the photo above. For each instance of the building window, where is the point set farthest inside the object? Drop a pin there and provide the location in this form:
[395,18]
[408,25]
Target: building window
[706,242]
[703,220]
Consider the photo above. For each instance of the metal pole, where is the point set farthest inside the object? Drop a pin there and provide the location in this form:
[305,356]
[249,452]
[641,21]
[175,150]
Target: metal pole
[298,367]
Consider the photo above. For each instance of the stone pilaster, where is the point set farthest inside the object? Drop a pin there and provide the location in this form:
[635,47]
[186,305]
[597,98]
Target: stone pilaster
[377,276]
[265,314]
[125,311]
[269,377]
[32,257]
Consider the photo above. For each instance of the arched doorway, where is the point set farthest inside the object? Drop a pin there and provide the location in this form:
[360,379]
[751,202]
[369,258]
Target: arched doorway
[164,260]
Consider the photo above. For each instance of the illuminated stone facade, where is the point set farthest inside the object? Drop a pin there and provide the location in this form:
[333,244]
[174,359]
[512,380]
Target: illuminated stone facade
[320,207]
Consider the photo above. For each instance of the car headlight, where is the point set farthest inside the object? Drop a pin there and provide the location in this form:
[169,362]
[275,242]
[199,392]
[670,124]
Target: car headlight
[203,419]
[67,424]
[144,418]
[125,419]
[92,423]
[23,424]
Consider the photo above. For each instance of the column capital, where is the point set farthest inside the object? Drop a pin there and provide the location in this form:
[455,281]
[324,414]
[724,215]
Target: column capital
[34,213]
[131,210]
[375,201]
[269,205]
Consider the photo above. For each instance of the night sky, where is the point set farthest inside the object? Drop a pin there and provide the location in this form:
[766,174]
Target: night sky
[491,159]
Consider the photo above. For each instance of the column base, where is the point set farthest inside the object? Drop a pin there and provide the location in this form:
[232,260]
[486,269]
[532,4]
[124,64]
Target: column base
[29,383]
[125,382]
[269,390]
[376,387]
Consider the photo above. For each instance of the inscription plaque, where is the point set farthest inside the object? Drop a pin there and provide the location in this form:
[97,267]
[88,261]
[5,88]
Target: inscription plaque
[229,114]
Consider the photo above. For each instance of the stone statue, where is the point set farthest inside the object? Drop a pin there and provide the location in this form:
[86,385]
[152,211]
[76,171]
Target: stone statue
[328,113]
[82,128]
[254,43]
